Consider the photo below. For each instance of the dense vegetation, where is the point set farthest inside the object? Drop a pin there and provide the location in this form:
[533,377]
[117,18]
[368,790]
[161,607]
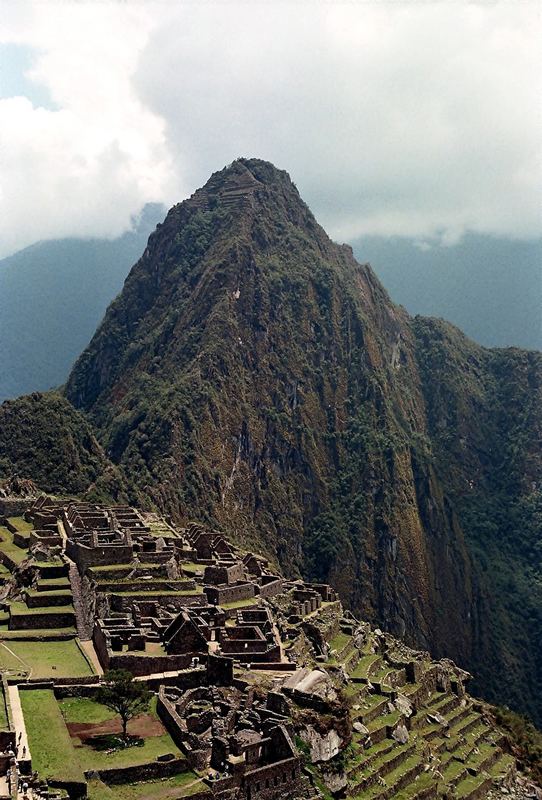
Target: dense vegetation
[42,435]
[525,738]
[485,422]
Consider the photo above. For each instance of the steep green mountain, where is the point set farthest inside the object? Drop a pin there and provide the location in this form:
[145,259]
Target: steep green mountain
[253,374]
[44,436]
[52,297]
[490,287]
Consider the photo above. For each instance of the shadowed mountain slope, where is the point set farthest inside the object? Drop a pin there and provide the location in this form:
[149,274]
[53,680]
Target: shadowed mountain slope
[52,296]
[44,436]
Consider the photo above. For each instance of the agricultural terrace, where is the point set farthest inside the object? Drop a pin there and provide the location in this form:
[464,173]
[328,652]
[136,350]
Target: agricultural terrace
[45,659]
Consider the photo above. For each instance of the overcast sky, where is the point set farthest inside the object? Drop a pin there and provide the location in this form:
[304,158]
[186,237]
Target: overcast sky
[418,119]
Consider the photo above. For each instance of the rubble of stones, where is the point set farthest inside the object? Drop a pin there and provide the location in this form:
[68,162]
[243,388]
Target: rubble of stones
[268,686]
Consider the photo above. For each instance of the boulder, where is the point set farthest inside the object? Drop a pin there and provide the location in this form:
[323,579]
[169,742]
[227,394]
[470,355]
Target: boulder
[403,705]
[335,781]
[323,746]
[401,734]
[437,718]
[359,727]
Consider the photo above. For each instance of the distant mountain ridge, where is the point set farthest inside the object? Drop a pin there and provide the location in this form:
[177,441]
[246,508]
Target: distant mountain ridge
[489,287]
[52,296]
[253,375]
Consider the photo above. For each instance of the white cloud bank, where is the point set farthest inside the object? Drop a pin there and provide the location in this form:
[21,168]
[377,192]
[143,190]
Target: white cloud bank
[414,119]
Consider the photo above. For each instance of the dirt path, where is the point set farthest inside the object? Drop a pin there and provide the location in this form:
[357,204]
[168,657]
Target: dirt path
[144,725]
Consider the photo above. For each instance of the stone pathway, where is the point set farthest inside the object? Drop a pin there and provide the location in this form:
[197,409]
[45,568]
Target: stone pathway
[18,724]
[88,647]
[84,630]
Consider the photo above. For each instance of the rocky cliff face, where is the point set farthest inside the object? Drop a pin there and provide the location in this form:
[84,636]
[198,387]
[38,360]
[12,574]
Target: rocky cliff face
[254,374]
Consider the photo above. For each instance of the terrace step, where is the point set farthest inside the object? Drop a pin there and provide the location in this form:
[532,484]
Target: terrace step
[437,697]
[22,618]
[458,715]
[367,665]
[371,754]
[472,787]
[58,597]
[383,764]
[423,787]
[378,705]
[381,727]
[387,679]
[503,766]
[395,781]
[445,704]
[417,693]
[473,730]
[467,724]
[52,584]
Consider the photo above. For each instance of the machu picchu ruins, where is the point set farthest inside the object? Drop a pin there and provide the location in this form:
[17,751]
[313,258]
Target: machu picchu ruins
[263,687]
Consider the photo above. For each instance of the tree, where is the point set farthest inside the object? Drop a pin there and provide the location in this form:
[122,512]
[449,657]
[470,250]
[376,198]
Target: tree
[122,694]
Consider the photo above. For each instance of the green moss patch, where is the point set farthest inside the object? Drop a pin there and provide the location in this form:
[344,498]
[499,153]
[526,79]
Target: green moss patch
[8,547]
[21,524]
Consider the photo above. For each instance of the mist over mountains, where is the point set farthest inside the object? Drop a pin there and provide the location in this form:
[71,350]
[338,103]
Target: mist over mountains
[52,296]
[489,287]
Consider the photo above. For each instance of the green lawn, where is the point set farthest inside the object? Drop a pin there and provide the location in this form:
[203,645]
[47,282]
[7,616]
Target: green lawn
[65,593]
[53,754]
[16,554]
[83,709]
[153,747]
[21,524]
[169,789]
[35,634]
[340,641]
[164,593]
[250,601]
[45,659]
[60,583]
[18,608]
[104,569]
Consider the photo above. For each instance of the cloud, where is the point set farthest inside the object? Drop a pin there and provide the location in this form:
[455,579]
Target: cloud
[409,119]
[82,166]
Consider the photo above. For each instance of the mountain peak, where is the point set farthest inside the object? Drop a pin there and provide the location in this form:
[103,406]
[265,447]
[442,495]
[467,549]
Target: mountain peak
[240,184]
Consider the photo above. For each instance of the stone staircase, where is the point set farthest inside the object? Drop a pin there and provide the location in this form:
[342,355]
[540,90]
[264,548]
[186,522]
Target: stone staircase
[84,629]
